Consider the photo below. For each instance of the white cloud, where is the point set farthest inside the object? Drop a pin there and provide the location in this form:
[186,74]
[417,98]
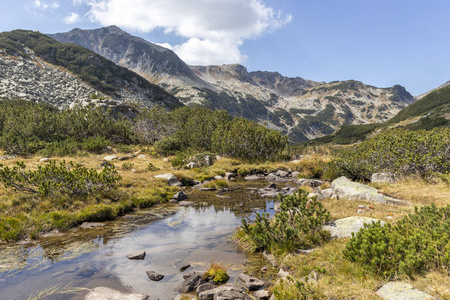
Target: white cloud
[72,18]
[45,5]
[214,29]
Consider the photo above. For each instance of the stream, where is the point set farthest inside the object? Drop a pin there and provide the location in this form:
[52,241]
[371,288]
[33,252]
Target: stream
[65,266]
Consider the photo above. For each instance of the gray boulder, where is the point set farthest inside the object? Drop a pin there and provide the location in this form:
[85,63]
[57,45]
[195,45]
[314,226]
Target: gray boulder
[262,294]
[346,189]
[401,291]
[283,174]
[383,177]
[224,292]
[327,193]
[137,256]
[109,157]
[309,182]
[179,196]
[251,283]
[205,287]
[172,180]
[229,175]
[152,275]
[191,165]
[191,282]
[344,227]
[104,293]
[254,177]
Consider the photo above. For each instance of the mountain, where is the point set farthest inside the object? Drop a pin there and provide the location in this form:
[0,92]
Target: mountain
[38,68]
[302,108]
[430,111]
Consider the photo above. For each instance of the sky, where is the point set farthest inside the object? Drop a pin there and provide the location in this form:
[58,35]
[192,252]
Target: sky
[378,42]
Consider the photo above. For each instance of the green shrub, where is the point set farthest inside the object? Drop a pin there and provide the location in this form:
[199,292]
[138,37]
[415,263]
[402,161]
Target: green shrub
[62,180]
[178,161]
[416,244]
[11,229]
[298,225]
[150,167]
[127,166]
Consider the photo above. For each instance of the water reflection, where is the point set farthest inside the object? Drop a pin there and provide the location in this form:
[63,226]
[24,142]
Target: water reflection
[171,236]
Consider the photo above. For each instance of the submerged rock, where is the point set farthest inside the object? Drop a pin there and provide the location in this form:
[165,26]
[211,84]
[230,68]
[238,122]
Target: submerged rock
[104,293]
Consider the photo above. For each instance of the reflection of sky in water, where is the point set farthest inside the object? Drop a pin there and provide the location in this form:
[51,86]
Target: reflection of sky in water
[192,236]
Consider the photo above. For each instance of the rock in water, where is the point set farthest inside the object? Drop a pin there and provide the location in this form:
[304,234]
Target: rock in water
[179,196]
[137,256]
[154,276]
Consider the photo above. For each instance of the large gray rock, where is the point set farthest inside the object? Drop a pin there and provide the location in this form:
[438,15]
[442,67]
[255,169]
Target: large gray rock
[224,292]
[401,291]
[179,196]
[309,182]
[383,177]
[191,282]
[109,157]
[346,189]
[344,227]
[251,283]
[104,293]
[172,180]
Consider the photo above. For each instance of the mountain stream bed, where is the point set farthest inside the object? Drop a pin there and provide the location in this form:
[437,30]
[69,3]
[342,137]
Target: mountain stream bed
[65,266]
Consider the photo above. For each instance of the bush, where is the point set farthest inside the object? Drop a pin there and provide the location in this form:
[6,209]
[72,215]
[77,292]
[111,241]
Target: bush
[60,181]
[416,244]
[398,151]
[298,225]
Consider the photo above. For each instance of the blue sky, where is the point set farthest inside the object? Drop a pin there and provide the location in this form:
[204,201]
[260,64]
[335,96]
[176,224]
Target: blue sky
[378,42]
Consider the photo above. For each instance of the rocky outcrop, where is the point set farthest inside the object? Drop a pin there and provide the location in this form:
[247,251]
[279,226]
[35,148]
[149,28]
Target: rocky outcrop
[401,291]
[345,227]
[105,293]
[346,189]
[172,180]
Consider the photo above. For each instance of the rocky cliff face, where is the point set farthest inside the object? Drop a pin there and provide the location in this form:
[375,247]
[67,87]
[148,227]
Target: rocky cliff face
[45,78]
[302,108]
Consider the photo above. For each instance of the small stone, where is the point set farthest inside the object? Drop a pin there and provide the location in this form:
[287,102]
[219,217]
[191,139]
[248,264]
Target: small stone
[361,211]
[218,177]
[261,294]
[141,156]
[191,165]
[283,274]
[125,157]
[137,256]
[264,269]
[154,276]
[251,283]
[109,157]
[45,159]
[184,268]
[270,258]
[106,164]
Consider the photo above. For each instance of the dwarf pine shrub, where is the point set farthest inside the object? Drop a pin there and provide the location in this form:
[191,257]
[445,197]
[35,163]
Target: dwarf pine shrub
[298,225]
[63,180]
[418,243]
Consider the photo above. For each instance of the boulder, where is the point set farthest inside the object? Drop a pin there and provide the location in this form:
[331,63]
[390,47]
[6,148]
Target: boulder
[261,294]
[209,160]
[125,157]
[309,182]
[344,227]
[141,156]
[270,258]
[401,291]
[45,159]
[327,193]
[106,164]
[383,177]
[172,180]
[224,292]
[191,165]
[105,293]
[229,176]
[109,157]
[251,283]
[205,287]
[346,189]
[295,175]
[152,275]
[137,256]
[283,174]
[191,282]
[179,196]
[218,177]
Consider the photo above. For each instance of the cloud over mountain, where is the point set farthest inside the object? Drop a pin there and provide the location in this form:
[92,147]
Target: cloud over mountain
[213,30]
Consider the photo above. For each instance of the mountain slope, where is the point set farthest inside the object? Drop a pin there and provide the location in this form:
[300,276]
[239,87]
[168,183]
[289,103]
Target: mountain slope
[302,108]
[91,76]
[431,111]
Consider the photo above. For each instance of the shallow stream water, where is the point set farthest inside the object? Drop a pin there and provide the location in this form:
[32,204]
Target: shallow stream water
[66,266]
